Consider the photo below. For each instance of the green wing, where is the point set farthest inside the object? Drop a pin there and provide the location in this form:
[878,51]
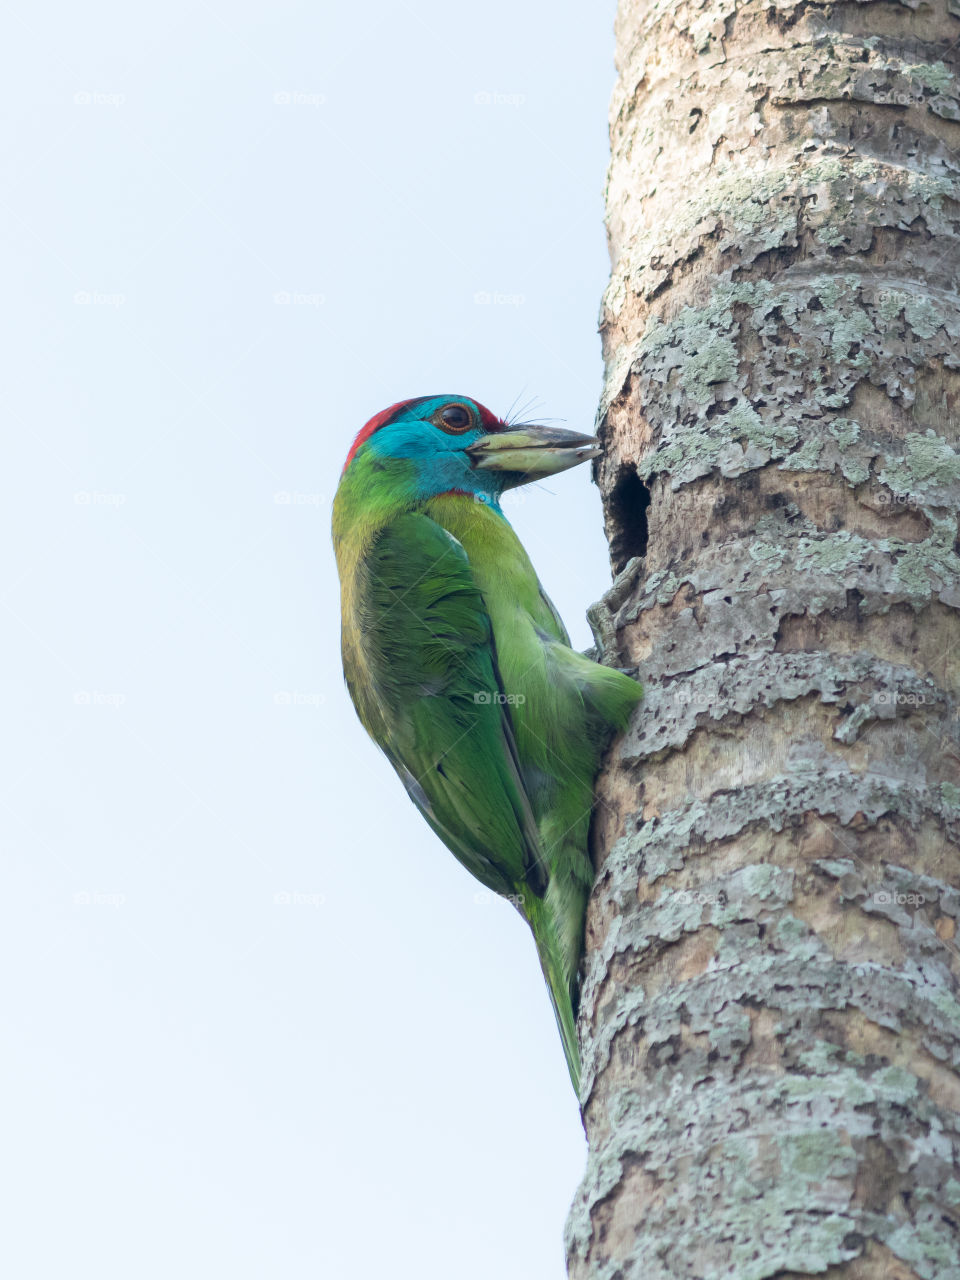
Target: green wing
[431,697]
[559,630]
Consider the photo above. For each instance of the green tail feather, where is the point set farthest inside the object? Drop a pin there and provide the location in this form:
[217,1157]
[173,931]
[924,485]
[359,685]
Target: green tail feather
[563,989]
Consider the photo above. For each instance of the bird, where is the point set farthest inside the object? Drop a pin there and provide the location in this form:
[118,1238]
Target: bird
[460,667]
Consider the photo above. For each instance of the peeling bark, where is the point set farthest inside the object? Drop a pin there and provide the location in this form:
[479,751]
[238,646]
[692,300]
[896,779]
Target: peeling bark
[770,1014]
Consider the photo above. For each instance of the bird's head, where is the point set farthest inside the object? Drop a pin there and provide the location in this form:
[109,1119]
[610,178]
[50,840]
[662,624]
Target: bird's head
[442,444]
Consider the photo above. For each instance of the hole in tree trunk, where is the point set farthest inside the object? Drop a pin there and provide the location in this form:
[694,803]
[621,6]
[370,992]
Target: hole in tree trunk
[627,518]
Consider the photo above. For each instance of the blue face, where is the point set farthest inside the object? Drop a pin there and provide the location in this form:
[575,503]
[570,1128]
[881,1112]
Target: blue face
[434,434]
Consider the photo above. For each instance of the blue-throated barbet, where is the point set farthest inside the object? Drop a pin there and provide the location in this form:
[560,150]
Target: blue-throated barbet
[460,667]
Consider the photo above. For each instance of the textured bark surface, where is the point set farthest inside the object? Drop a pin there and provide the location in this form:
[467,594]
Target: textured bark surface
[770,1015]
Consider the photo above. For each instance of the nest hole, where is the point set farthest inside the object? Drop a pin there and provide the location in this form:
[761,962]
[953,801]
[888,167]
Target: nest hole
[627,524]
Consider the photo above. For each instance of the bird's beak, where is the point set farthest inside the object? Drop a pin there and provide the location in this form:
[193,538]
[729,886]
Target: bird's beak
[528,453]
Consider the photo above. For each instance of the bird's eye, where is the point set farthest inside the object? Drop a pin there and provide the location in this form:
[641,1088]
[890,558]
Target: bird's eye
[455,418]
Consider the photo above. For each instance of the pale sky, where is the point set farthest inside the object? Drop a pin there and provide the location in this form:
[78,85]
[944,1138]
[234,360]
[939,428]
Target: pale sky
[257,1020]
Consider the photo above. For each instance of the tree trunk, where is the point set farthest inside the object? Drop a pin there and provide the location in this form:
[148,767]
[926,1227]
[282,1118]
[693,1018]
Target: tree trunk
[770,1023]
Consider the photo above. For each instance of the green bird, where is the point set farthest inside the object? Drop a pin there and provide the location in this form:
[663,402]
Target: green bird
[461,670]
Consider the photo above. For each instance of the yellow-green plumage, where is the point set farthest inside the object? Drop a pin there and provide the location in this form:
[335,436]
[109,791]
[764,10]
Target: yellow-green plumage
[461,670]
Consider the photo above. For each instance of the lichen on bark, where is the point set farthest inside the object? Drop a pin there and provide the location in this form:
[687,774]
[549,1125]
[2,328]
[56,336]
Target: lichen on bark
[770,1016]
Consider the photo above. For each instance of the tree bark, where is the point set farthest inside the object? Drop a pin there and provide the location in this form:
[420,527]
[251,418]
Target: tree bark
[770,1017]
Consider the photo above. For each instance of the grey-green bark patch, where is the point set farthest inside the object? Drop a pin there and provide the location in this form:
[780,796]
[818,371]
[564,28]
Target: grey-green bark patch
[675,708]
[928,1248]
[927,472]
[936,76]
[856,71]
[804,1176]
[855,330]
[803,571]
[786,969]
[750,211]
[898,896]
[710,358]
[824,785]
